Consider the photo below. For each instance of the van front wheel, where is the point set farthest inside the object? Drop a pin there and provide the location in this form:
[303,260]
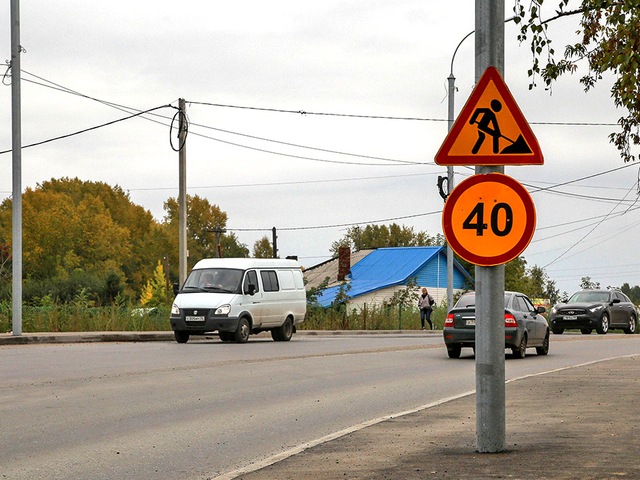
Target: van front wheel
[241,335]
[283,333]
[181,337]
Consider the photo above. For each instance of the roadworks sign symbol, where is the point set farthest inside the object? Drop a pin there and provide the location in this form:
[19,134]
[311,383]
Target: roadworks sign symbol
[490,130]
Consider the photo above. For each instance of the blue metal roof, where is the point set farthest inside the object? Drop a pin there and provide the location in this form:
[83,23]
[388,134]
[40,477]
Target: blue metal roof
[383,268]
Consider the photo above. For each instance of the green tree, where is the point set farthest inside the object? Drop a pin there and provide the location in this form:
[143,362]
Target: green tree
[586,283]
[203,219]
[377,236]
[83,235]
[262,248]
[607,40]
[632,292]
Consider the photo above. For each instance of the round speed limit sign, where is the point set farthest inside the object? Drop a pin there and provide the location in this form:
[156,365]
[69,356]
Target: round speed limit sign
[489,219]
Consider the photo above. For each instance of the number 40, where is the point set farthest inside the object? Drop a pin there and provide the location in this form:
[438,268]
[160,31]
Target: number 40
[475,220]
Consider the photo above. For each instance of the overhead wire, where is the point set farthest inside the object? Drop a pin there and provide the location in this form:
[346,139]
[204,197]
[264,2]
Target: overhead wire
[550,188]
[586,235]
[85,130]
[337,225]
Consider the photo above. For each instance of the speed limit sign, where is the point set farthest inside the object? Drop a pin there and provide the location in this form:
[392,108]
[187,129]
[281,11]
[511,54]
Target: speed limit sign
[489,219]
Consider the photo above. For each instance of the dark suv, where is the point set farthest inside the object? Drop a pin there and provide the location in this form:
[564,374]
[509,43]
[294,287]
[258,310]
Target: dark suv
[599,309]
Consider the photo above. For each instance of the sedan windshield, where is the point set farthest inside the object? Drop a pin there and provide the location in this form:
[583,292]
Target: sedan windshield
[589,297]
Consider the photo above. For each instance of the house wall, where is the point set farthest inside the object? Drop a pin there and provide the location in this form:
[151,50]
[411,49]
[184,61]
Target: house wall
[434,274]
[380,296]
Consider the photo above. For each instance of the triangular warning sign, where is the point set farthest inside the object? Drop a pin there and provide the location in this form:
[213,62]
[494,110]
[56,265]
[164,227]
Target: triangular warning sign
[490,129]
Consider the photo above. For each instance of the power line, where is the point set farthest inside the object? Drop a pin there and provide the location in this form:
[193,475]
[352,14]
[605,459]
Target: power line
[89,129]
[337,225]
[279,184]
[61,88]
[585,236]
[304,146]
[377,117]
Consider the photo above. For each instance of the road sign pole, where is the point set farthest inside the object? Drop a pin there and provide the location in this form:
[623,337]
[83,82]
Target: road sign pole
[490,371]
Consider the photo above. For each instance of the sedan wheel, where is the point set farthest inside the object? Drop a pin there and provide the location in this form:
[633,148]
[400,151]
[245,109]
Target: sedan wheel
[632,325]
[521,351]
[454,351]
[544,349]
[603,326]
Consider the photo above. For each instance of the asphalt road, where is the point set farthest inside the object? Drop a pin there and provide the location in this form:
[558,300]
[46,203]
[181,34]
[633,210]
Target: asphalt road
[162,410]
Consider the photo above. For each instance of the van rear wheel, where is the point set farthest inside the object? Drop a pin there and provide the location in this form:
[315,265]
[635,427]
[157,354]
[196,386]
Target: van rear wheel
[283,333]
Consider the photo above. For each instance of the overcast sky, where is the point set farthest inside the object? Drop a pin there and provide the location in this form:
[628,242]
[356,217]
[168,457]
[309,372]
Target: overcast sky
[243,66]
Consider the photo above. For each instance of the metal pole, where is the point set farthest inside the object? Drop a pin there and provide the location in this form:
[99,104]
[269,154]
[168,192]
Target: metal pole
[182,191]
[450,185]
[275,242]
[450,173]
[16,155]
[490,371]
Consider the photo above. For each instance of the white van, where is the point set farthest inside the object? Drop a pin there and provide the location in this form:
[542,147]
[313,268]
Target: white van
[240,296]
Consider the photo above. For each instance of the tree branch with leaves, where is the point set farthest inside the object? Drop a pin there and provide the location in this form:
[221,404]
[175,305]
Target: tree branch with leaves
[608,42]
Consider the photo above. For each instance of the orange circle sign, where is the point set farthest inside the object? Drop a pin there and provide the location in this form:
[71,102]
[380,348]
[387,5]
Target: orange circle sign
[489,219]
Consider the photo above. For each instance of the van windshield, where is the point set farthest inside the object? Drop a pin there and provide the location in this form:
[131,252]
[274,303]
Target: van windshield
[226,280]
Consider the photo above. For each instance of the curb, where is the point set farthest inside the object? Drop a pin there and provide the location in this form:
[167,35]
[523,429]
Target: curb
[167,336]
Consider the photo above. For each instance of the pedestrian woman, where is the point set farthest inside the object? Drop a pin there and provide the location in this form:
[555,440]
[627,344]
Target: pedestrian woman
[425,304]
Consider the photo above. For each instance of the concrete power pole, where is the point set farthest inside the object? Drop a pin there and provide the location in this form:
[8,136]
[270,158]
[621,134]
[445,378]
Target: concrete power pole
[16,154]
[182,190]
[490,369]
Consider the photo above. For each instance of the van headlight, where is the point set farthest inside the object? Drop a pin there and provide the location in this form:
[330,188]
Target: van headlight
[223,310]
[175,310]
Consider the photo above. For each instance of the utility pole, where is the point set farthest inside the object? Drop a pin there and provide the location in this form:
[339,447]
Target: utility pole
[16,155]
[275,242]
[218,232]
[490,369]
[182,190]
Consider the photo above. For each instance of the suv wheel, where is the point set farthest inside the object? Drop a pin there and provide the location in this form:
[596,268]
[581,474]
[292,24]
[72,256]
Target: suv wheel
[632,325]
[603,326]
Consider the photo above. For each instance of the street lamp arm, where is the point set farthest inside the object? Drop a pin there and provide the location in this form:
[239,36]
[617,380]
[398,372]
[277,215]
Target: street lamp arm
[456,50]
[467,36]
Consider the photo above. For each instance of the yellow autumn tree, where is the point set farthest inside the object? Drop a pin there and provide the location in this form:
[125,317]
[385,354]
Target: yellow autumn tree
[155,292]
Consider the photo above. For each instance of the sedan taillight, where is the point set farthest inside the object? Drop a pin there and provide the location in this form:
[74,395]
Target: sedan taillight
[510,320]
[449,320]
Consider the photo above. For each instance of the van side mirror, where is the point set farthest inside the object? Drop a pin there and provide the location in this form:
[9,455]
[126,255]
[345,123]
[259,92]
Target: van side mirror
[540,309]
[251,289]
[176,288]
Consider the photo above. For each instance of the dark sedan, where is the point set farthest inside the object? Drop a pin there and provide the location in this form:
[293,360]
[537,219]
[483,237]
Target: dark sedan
[524,327]
[594,309]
